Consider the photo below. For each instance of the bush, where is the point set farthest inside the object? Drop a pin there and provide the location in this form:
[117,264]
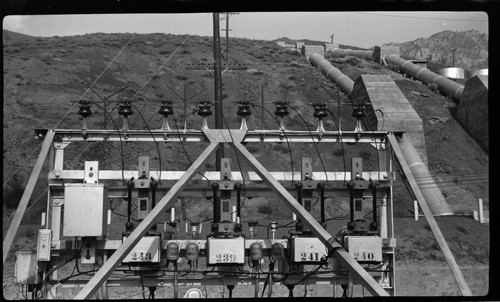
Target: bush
[13,192]
[164,52]
[264,208]
[338,152]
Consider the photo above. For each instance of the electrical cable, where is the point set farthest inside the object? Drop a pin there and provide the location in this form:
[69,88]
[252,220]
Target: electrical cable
[184,148]
[284,134]
[312,138]
[121,144]
[156,143]
[341,143]
[235,151]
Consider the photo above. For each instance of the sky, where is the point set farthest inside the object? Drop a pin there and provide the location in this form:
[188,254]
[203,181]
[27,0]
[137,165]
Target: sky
[361,29]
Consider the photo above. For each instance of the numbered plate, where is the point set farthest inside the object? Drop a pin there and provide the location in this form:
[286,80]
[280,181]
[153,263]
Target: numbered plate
[307,249]
[146,250]
[364,248]
[226,251]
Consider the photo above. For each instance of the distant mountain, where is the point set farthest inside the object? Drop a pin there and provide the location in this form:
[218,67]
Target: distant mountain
[8,35]
[471,49]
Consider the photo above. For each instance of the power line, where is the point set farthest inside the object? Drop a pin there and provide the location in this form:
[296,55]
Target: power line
[427,18]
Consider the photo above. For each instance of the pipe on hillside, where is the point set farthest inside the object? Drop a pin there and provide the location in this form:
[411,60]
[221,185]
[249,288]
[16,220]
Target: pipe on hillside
[430,191]
[447,86]
[333,74]
[362,54]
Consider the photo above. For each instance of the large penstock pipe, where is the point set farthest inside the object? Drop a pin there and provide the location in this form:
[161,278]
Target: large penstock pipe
[431,192]
[335,75]
[445,85]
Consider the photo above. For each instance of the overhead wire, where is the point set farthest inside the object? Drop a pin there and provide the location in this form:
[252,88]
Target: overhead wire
[284,134]
[312,138]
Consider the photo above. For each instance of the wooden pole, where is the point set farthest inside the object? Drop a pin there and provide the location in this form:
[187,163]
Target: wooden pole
[464,288]
[21,208]
[107,268]
[219,114]
[480,210]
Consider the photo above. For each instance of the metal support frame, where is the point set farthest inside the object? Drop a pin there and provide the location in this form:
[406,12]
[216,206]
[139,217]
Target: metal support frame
[93,285]
[313,225]
[57,175]
[457,274]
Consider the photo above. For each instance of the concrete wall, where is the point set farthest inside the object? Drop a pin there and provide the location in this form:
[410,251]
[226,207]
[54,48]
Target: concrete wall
[383,93]
[472,110]
[307,50]
[330,46]
[381,51]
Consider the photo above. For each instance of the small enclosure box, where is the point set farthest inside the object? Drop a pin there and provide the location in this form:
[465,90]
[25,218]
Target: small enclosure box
[226,251]
[85,210]
[147,250]
[365,248]
[26,268]
[306,249]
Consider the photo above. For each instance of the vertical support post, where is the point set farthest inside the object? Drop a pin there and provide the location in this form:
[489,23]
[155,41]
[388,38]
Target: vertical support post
[21,208]
[415,209]
[480,210]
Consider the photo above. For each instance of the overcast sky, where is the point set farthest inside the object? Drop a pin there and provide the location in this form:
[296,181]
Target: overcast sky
[362,29]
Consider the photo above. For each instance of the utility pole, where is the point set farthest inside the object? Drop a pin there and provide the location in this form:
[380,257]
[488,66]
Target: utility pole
[218,88]
[227,35]
[453,62]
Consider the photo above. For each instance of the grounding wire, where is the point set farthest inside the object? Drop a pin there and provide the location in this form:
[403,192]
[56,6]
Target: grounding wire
[235,151]
[284,134]
[156,143]
[121,145]
[341,142]
[312,138]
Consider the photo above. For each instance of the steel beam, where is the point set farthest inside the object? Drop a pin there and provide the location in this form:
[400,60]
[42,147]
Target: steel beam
[215,175]
[464,288]
[115,260]
[192,135]
[313,225]
[21,208]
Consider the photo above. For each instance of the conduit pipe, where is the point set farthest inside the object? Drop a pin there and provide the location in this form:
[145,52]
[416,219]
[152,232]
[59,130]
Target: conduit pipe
[445,85]
[363,54]
[333,74]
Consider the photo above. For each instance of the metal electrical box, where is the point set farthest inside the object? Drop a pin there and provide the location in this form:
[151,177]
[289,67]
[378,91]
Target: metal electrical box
[26,268]
[85,210]
[365,248]
[146,250]
[226,251]
[44,245]
[306,249]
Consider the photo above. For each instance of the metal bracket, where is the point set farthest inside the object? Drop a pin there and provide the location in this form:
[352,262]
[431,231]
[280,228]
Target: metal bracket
[91,174]
[224,135]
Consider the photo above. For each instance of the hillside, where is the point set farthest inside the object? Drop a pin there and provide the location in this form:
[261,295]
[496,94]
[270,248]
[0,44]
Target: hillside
[42,76]
[471,49]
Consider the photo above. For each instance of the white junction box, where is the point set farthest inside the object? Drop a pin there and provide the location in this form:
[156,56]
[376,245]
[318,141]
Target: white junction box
[26,268]
[226,251]
[306,249]
[146,250]
[44,243]
[365,248]
[85,210]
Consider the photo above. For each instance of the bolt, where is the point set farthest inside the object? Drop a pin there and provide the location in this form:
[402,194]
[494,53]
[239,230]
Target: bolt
[226,185]
[91,174]
[142,183]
